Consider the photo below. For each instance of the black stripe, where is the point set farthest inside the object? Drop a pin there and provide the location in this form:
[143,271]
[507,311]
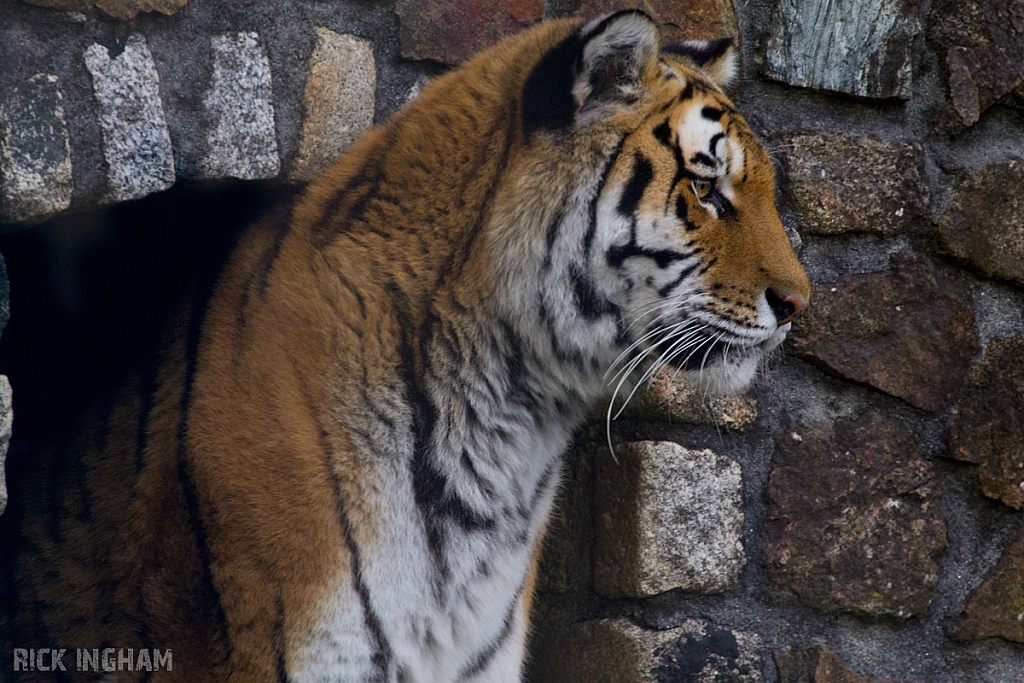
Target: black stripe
[633,192]
[713,142]
[588,300]
[588,237]
[279,644]
[685,273]
[700,51]
[515,361]
[480,661]
[382,656]
[663,133]
[459,260]
[712,113]
[704,159]
[200,306]
[663,257]
[552,233]
[548,102]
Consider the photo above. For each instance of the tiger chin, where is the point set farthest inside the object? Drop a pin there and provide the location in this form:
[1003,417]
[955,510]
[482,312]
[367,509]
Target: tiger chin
[340,464]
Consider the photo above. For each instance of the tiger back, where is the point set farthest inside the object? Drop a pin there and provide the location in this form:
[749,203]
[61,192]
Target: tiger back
[340,464]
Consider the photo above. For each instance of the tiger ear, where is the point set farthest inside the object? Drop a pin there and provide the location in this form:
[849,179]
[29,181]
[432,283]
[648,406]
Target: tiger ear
[716,59]
[618,51]
[597,70]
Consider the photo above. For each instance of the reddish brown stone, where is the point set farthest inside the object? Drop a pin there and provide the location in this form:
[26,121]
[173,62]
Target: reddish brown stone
[814,665]
[996,607]
[619,651]
[985,221]
[981,44]
[854,518]
[451,31]
[691,19]
[908,332]
[118,9]
[838,184]
[989,425]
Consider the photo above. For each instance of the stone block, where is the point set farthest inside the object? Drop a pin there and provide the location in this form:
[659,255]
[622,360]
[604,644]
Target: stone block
[815,665]
[981,47]
[855,521]
[618,651]
[666,518]
[996,607]
[454,30]
[338,101]
[693,19]
[863,48]
[567,554]
[908,332]
[35,156]
[989,425]
[6,422]
[839,184]
[136,142]
[242,142]
[118,9]
[667,397]
[984,224]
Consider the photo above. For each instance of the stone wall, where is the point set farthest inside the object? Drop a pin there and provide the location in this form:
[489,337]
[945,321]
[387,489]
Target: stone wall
[856,516]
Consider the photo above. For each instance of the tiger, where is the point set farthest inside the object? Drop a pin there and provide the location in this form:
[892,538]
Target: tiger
[340,464]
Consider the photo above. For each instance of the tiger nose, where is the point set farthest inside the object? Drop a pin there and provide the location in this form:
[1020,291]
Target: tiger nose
[786,307]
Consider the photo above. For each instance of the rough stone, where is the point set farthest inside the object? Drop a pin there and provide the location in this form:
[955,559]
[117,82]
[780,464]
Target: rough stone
[908,332]
[996,607]
[136,142]
[338,101]
[855,523]
[6,421]
[451,32]
[981,46]
[694,19]
[567,555]
[35,156]
[989,425]
[118,9]
[838,184]
[665,518]
[862,48]
[242,141]
[618,651]
[984,223]
[814,665]
[669,398]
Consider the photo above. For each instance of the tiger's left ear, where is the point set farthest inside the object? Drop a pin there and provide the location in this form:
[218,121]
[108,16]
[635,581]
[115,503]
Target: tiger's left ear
[593,73]
[716,59]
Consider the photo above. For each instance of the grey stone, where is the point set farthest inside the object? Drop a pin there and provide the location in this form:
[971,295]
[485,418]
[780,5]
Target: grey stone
[618,651]
[667,517]
[814,665]
[839,184]
[6,421]
[669,398]
[855,515]
[136,142]
[338,101]
[862,48]
[35,156]
[984,224]
[242,142]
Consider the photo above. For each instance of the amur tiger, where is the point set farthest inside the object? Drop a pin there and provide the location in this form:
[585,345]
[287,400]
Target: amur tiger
[340,464]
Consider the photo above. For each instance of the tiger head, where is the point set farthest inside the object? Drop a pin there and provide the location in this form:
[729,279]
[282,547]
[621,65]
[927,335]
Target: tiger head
[671,241]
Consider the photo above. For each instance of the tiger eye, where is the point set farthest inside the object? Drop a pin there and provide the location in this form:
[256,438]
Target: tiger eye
[701,188]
